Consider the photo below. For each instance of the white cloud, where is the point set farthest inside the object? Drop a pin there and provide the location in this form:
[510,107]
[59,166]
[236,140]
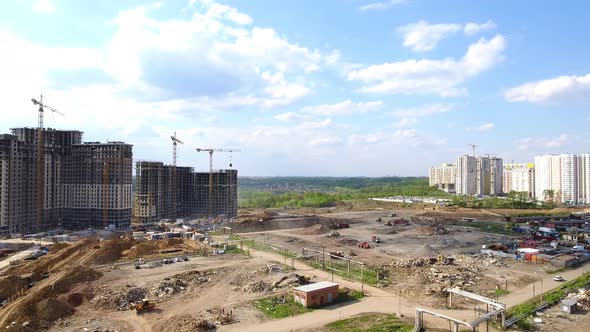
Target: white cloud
[540,143]
[408,133]
[439,77]
[382,5]
[346,107]
[45,6]
[471,29]
[405,122]
[289,116]
[325,140]
[560,89]
[425,110]
[482,128]
[423,36]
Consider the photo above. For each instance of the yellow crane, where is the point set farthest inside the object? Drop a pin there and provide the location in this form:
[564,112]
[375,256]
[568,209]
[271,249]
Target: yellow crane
[211,150]
[173,183]
[41,157]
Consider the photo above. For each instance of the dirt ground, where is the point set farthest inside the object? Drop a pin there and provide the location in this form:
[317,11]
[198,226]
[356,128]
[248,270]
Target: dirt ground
[90,284]
[555,320]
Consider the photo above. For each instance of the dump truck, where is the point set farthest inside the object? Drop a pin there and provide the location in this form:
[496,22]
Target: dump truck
[143,306]
[364,245]
[375,239]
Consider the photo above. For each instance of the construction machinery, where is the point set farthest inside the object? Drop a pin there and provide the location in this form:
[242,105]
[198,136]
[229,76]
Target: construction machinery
[40,202]
[375,239]
[364,245]
[211,150]
[144,306]
[173,183]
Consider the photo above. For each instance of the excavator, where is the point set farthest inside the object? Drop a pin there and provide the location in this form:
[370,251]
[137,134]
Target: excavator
[143,306]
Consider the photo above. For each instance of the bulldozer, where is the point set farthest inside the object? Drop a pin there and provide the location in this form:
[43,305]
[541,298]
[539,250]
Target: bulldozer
[143,306]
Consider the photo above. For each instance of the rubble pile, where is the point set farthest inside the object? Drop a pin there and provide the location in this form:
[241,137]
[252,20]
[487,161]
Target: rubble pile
[119,299]
[333,234]
[168,287]
[413,263]
[224,317]
[185,323]
[271,268]
[582,296]
[256,287]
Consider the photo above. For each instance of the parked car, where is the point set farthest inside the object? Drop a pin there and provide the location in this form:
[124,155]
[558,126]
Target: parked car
[557,278]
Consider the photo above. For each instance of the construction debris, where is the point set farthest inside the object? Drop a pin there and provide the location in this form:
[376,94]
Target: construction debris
[333,234]
[118,299]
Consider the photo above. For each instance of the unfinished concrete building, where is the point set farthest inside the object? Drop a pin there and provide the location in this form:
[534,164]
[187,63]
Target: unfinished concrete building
[98,184]
[154,196]
[220,199]
[36,181]
[155,190]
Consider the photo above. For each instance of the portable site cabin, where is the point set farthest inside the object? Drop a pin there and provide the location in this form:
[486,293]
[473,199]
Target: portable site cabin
[316,294]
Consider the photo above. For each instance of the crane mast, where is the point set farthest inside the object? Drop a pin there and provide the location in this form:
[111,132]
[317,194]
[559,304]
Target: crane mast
[40,203]
[173,183]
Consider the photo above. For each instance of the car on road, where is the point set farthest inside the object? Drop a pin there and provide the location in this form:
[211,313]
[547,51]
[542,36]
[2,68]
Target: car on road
[557,278]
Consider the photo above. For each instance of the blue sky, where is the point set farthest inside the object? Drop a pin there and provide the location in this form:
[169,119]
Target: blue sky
[332,87]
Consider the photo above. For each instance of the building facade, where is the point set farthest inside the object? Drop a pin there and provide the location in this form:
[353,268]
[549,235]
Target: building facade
[42,184]
[479,176]
[563,178]
[99,185]
[192,196]
[443,177]
[519,178]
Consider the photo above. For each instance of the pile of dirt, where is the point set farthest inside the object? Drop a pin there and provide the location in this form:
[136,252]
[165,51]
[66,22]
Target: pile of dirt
[112,250]
[119,299]
[51,309]
[9,285]
[77,296]
[315,230]
[424,251]
[185,323]
[425,230]
[58,246]
[77,274]
[348,242]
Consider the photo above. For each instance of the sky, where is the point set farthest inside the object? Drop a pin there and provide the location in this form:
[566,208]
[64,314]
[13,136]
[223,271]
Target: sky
[304,87]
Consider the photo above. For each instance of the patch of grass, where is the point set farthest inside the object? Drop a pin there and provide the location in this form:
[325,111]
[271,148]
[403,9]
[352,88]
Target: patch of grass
[263,247]
[488,227]
[372,322]
[525,325]
[559,270]
[235,251]
[500,292]
[280,306]
[234,237]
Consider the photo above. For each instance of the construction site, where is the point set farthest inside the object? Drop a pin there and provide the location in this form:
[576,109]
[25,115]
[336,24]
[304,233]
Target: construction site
[424,267]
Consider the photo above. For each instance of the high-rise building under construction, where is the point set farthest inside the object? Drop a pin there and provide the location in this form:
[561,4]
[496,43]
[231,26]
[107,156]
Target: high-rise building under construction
[49,178]
[198,194]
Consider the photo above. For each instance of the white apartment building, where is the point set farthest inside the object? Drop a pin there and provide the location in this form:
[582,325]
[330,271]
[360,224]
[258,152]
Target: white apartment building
[479,175]
[567,175]
[443,177]
[466,183]
[519,178]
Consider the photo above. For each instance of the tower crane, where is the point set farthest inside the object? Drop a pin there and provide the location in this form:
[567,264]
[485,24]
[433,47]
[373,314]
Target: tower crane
[41,158]
[211,150]
[473,147]
[173,183]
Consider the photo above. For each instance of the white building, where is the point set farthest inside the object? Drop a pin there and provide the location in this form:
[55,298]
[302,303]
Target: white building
[466,176]
[479,175]
[443,177]
[566,175]
[519,178]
